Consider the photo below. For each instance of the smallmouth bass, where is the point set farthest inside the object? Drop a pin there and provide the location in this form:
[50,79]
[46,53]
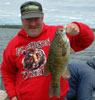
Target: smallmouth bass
[57,61]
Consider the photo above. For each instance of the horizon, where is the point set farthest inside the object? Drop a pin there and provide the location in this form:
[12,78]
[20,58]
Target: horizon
[55,11]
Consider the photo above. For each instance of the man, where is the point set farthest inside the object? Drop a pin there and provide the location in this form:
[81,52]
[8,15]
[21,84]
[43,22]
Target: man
[82,81]
[23,81]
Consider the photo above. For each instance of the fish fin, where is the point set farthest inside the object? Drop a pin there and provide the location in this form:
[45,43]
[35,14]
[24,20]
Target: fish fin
[46,71]
[57,92]
[72,51]
[51,91]
[66,74]
[54,92]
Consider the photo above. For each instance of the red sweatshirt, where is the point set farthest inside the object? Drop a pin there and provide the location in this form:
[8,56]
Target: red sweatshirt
[22,76]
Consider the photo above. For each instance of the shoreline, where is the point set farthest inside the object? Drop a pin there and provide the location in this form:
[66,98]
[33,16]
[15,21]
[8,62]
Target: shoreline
[10,26]
[20,26]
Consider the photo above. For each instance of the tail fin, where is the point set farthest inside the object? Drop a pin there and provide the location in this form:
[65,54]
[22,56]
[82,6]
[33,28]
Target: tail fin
[51,91]
[54,91]
[57,92]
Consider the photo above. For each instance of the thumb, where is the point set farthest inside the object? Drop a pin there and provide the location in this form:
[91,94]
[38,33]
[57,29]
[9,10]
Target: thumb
[65,27]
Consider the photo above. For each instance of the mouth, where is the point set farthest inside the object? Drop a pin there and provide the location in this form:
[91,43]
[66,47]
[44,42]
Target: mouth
[33,27]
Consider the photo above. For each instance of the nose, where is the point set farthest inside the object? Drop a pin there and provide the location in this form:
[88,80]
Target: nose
[33,22]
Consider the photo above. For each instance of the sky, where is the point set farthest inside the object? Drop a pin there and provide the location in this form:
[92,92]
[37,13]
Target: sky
[10,9]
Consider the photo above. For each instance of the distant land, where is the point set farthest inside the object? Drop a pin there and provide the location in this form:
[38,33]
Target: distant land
[10,26]
[20,26]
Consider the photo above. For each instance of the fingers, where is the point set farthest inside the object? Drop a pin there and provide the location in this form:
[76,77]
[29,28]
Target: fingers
[65,26]
[72,29]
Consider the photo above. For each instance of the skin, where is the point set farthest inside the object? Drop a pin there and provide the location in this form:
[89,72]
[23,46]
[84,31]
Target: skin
[34,26]
[72,29]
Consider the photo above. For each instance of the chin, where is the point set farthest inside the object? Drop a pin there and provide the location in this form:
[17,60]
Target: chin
[34,35]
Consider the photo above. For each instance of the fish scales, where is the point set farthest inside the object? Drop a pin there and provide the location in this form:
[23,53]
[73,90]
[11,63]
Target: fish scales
[57,61]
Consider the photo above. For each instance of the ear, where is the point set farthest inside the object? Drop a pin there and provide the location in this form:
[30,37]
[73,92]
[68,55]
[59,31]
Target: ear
[42,18]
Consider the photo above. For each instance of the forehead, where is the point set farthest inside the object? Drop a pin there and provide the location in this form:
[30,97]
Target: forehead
[37,18]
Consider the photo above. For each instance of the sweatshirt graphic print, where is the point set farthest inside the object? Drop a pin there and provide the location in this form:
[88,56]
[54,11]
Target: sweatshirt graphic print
[34,58]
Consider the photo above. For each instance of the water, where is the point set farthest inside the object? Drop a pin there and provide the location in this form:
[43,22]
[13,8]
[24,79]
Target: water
[84,55]
[6,34]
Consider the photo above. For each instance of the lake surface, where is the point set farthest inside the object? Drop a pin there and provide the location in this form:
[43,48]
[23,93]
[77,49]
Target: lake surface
[6,34]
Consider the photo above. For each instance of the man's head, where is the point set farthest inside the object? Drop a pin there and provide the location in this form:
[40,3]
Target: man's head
[32,18]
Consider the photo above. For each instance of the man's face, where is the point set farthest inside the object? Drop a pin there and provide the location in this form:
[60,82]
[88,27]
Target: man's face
[33,26]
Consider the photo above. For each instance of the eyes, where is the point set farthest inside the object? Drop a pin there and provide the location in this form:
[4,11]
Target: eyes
[33,19]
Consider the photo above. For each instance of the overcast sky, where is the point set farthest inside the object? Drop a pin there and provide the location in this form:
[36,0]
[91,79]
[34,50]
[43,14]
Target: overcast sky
[11,8]
[8,6]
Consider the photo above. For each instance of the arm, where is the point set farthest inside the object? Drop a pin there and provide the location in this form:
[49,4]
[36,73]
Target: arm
[8,70]
[80,35]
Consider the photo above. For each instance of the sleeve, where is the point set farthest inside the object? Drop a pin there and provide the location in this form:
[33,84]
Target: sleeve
[84,39]
[8,71]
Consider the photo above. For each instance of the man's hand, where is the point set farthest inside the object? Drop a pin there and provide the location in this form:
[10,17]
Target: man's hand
[72,29]
[14,98]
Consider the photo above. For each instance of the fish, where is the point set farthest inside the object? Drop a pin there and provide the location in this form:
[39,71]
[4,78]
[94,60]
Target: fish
[58,58]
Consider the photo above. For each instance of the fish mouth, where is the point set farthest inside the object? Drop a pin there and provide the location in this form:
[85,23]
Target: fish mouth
[64,31]
[60,37]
